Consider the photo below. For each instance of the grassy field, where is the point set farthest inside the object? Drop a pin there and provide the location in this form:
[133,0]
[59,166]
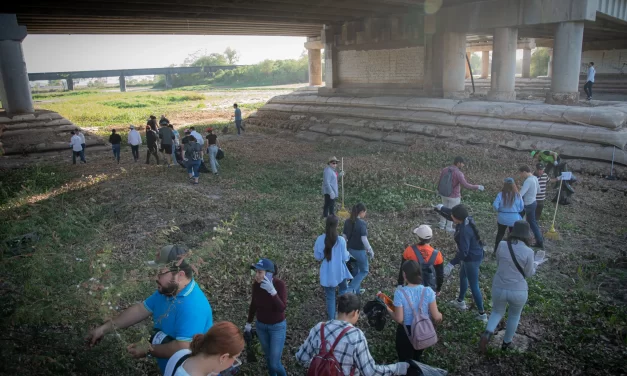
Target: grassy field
[76,239]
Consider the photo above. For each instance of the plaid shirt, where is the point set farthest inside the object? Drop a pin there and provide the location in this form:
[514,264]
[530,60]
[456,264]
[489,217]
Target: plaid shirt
[352,350]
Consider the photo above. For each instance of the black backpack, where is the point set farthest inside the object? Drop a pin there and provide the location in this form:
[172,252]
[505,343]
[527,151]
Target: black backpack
[445,185]
[428,271]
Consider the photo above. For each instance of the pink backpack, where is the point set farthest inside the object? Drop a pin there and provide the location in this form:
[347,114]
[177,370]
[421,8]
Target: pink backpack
[422,331]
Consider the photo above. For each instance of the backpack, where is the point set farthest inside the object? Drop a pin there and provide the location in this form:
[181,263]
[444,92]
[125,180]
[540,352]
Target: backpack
[325,363]
[428,271]
[176,361]
[445,185]
[422,331]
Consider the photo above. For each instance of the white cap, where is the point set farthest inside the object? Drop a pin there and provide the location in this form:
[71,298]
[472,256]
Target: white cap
[423,231]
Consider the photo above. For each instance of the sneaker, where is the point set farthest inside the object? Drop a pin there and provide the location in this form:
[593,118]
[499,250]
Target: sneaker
[484,340]
[450,230]
[442,227]
[361,291]
[482,317]
[505,346]
[459,305]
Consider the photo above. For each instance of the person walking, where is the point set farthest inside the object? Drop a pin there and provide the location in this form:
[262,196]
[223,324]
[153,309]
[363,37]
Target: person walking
[515,263]
[268,303]
[115,140]
[193,158]
[238,119]
[176,145]
[167,140]
[163,121]
[199,139]
[509,204]
[77,148]
[590,81]
[356,235]
[151,142]
[410,298]
[331,250]
[543,180]
[427,256]
[347,344]
[212,150]
[134,139]
[209,354]
[549,158]
[152,122]
[528,191]
[449,188]
[329,186]
[469,256]
[80,134]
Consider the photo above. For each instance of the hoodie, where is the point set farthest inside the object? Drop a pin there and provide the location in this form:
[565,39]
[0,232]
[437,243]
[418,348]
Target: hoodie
[469,247]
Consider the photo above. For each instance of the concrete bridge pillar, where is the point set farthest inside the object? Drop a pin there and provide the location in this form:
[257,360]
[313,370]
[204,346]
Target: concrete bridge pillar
[567,47]
[526,63]
[122,83]
[453,71]
[330,55]
[314,46]
[14,85]
[503,84]
[485,64]
[549,72]
[168,81]
[70,84]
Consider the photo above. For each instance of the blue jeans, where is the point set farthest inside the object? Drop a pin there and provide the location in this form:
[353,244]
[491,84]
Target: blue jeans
[530,216]
[500,299]
[193,168]
[213,151]
[116,151]
[469,274]
[272,340]
[238,125]
[362,269]
[174,154]
[83,152]
[330,293]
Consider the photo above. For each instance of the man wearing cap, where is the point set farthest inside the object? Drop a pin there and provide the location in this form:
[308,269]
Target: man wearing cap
[115,140]
[425,254]
[329,186]
[212,150]
[179,309]
[151,142]
[152,122]
[543,180]
[134,139]
[549,158]
[529,191]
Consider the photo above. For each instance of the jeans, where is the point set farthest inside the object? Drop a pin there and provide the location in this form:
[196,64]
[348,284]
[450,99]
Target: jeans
[116,151]
[449,203]
[83,151]
[193,168]
[329,206]
[272,340]
[152,150]
[500,299]
[213,151]
[330,293]
[500,234]
[469,274]
[174,154]
[77,154]
[135,151]
[530,216]
[588,88]
[238,125]
[539,207]
[361,270]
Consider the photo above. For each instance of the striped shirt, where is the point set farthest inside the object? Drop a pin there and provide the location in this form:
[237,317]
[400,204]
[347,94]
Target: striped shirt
[352,350]
[542,181]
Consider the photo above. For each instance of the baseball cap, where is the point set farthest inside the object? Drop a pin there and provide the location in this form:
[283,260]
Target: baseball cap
[169,254]
[132,126]
[540,166]
[264,264]
[424,232]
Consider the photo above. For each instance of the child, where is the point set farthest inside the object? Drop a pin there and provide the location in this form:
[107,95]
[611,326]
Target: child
[427,257]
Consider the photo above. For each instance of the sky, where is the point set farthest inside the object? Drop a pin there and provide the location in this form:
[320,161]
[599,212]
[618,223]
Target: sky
[60,53]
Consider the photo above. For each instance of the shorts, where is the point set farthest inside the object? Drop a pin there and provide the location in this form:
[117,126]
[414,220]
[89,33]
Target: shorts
[166,148]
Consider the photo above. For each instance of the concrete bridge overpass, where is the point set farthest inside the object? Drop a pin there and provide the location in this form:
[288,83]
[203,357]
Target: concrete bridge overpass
[123,73]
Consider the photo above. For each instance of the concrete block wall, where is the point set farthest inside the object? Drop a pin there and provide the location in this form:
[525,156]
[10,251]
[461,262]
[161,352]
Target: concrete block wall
[605,61]
[385,66]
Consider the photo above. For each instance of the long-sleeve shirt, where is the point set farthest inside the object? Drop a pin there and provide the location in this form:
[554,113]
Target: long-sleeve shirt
[591,73]
[508,214]
[458,181]
[426,251]
[468,246]
[335,271]
[351,351]
[134,138]
[81,136]
[269,309]
[151,138]
[507,276]
[329,182]
[75,143]
[529,190]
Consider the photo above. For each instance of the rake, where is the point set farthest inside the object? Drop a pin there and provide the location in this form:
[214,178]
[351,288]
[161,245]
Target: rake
[343,213]
[552,234]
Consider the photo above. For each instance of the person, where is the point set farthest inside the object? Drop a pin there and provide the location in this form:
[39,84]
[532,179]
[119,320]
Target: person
[77,148]
[177,143]
[212,150]
[152,122]
[543,180]
[188,136]
[209,354]
[469,256]
[179,310]
[528,191]
[115,140]
[509,286]
[425,251]
[329,186]
[590,81]
[421,298]
[331,250]
[268,303]
[449,188]
[80,134]
[163,121]
[351,347]
[197,136]
[134,139]
[167,139]
[151,142]
[356,235]
[238,119]
[549,158]
[193,158]
[564,188]
[509,204]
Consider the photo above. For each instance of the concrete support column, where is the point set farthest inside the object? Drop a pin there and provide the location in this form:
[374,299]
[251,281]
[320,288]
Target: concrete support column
[549,72]
[468,55]
[14,85]
[485,64]
[503,84]
[315,67]
[70,84]
[168,81]
[122,83]
[330,57]
[526,63]
[567,47]
[436,63]
[453,82]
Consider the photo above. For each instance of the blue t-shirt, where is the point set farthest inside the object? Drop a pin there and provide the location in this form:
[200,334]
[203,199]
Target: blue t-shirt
[414,293]
[181,316]
[354,237]
[238,114]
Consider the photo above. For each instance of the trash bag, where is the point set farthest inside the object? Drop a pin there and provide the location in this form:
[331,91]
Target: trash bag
[220,154]
[203,168]
[376,313]
[418,369]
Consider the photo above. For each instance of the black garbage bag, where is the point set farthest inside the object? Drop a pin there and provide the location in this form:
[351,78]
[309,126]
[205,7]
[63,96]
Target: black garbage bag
[376,313]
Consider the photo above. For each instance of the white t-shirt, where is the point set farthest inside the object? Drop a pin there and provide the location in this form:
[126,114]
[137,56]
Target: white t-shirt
[591,73]
[169,368]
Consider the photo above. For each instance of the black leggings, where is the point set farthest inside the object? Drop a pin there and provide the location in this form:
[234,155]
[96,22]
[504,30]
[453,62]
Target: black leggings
[500,234]
[404,349]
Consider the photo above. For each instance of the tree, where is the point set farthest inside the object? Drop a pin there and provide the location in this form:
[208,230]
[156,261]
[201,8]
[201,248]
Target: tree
[475,64]
[232,56]
[210,60]
[540,62]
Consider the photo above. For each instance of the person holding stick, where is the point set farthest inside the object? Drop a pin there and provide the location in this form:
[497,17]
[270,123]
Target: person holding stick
[449,188]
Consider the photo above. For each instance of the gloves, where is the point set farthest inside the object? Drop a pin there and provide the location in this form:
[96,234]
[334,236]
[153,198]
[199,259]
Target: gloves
[448,269]
[341,174]
[438,206]
[248,327]
[401,368]
[481,188]
[268,286]
[555,163]
[371,253]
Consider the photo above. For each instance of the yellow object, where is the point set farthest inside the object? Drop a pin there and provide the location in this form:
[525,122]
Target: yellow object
[552,234]
[343,213]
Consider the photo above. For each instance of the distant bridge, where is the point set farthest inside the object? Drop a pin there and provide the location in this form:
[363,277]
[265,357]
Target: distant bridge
[123,73]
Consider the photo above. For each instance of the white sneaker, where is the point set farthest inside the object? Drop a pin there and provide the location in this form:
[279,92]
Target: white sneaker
[442,227]
[450,230]
[459,305]
[483,317]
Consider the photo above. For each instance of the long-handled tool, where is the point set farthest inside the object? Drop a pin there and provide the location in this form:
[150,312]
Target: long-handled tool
[612,176]
[343,213]
[424,189]
[552,234]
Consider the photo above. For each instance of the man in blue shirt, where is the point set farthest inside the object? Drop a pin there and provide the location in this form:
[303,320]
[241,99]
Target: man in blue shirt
[179,309]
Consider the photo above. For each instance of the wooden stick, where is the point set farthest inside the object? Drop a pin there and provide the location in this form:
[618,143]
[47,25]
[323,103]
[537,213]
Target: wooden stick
[424,189]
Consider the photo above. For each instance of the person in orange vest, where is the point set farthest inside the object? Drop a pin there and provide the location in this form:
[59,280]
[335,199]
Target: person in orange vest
[430,259]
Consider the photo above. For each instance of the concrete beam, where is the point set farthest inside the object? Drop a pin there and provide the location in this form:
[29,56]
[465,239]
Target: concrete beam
[126,72]
[528,44]
[314,45]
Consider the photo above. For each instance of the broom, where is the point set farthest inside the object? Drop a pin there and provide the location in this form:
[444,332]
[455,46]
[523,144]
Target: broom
[343,213]
[552,234]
